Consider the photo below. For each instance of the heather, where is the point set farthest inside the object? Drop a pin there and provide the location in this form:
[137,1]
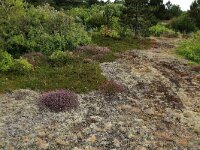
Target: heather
[111,87]
[60,100]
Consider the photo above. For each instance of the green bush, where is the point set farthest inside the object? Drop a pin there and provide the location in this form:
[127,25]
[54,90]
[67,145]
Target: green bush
[38,29]
[191,48]
[103,18]
[21,66]
[161,30]
[60,58]
[183,24]
[107,32]
[6,61]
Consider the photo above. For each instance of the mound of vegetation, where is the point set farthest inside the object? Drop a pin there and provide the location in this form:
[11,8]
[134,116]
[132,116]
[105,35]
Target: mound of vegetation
[161,30]
[190,48]
[183,24]
[59,101]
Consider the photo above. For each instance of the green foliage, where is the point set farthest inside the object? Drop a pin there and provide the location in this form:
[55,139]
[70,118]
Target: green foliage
[103,18]
[122,44]
[8,64]
[183,24]
[21,66]
[34,58]
[6,61]
[191,48]
[44,29]
[161,30]
[66,4]
[60,58]
[172,10]
[137,16]
[107,32]
[77,36]
[78,77]
[80,14]
[194,12]
[92,2]
[158,9]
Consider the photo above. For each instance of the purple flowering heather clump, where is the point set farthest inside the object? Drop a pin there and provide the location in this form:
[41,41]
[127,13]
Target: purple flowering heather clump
[61,100]
[94,50]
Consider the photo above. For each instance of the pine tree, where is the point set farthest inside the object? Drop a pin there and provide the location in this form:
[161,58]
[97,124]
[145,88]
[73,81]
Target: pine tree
[195,12]
[157,8]
[136,15]
[92,2]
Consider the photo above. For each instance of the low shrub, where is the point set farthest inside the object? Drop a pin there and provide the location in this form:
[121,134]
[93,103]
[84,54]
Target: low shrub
[34,58]
[122,44]
[190,48]
[21,66]
[58,101]
[107,32]
[6,61]
[183,24]
[94,52]
[161,30]
[111,87]
[43,29]
[60,58]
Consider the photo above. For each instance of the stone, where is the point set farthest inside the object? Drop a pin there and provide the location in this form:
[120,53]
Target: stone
[91,148]
[76,148]
[50,136]
[41,144]
[163,135]
[135,110]
[150,111]
[96,118]
[182,142]
[41,134]
[189,113]
[25,139]
[116,142]
[124,107]
[140,148]
[11,148]
[62,142]
[92,139]
[131,135]
[197,128]
[108,126]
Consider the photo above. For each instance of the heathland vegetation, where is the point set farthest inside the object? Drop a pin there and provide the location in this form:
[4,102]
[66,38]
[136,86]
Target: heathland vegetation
[53,44]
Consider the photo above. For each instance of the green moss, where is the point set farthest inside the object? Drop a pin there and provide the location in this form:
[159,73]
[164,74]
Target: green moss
[122,44]
[80,78]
